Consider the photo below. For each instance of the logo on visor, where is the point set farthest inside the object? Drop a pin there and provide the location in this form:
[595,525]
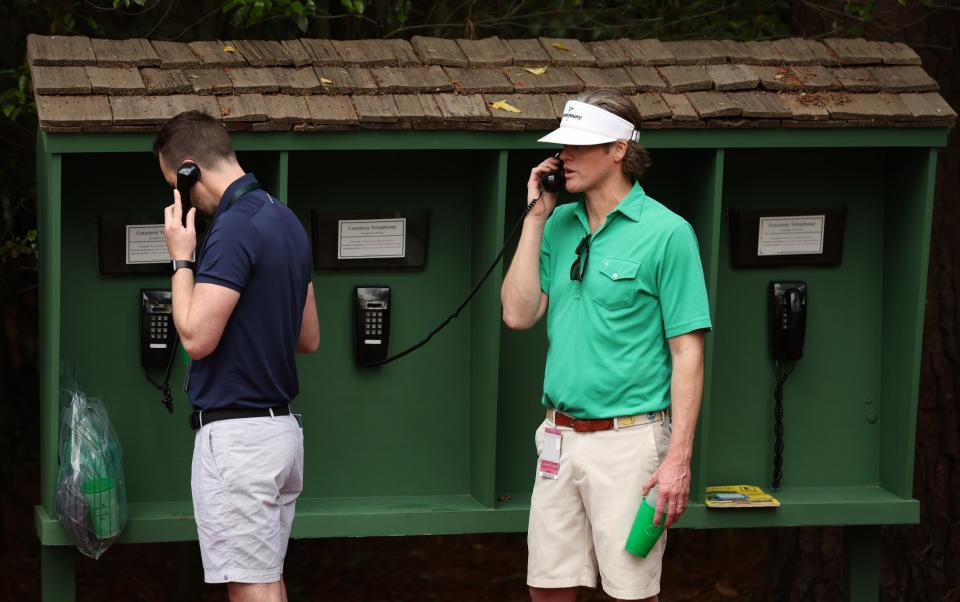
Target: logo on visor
[572,116]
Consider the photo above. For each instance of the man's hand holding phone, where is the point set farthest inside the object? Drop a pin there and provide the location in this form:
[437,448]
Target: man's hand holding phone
[548,200]
[181,241]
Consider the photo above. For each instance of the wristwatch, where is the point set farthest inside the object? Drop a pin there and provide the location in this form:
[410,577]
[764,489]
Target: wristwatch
[183,263]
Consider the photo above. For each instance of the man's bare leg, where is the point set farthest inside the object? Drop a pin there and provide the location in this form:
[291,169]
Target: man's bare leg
[553,594]
[257,592]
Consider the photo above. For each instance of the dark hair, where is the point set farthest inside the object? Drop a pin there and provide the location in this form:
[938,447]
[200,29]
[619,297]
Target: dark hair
[637,159]
[195,135]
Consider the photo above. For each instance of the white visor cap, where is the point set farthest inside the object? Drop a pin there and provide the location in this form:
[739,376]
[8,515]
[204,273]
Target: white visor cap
[583,124]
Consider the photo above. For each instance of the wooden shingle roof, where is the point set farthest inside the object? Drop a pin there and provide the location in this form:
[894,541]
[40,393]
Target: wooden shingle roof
[93,85]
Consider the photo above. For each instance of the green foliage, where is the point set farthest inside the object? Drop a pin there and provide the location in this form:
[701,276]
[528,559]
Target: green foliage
[22,246]
[354,7]
[18,99]
[248,13]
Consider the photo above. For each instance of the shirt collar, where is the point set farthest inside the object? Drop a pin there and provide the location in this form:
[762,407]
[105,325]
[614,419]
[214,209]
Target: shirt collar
[243,180]
[631,206]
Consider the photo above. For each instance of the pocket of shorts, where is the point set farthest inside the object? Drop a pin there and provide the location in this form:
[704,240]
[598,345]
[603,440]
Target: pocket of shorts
[538,438]
[617,286]
[661,440]
[216,451]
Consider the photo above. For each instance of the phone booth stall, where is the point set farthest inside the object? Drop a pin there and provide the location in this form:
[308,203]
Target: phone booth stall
[806,169]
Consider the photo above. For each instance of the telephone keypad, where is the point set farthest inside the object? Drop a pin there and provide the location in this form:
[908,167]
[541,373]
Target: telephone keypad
[159,327]
[373,323]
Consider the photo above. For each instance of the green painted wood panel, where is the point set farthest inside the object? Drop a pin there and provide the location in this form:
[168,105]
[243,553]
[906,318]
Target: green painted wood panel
[828,438]
[466,140]
[910,179]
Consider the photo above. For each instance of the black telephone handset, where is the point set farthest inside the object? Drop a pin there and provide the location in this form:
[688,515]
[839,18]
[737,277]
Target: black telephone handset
[554,181]
[371,323]
[788,319]
[187,175]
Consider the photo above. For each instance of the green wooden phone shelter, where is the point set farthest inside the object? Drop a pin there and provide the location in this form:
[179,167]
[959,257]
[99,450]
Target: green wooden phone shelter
[441,441]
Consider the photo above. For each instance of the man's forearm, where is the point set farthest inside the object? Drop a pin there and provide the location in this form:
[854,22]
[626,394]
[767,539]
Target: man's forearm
[182,285]
[521,294]
[686,390]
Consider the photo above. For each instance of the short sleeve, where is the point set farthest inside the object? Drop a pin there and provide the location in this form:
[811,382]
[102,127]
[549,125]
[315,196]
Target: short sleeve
[228,256]
[683,294]
[545,267]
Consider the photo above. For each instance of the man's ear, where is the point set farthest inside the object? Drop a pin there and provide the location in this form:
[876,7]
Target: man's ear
[619,150]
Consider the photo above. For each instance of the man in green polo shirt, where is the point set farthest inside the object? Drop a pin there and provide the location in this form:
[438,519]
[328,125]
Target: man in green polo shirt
[622,278]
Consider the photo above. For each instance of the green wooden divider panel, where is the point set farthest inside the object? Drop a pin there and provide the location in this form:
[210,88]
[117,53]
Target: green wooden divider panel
[829,440]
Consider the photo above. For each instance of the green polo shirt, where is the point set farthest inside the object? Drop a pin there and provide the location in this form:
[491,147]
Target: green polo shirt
[608,353]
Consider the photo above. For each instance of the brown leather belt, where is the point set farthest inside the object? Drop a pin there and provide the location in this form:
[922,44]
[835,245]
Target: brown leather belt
[588,425]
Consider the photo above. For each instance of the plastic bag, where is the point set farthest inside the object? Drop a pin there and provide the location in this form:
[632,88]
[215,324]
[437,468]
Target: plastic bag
[91,492]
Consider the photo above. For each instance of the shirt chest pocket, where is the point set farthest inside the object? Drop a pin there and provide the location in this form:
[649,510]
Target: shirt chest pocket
[617,285]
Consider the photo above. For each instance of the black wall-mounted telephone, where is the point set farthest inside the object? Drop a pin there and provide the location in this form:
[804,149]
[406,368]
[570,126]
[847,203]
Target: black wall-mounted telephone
[158,338]
[156,328]
[788,324]
[554,181]
[371,323]
[187,176]
[788,319]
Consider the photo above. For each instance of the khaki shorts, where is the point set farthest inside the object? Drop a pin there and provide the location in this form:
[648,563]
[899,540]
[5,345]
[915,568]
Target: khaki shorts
[579,522]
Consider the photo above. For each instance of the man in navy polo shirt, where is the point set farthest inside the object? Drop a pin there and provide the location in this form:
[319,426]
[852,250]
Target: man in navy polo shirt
[241,319]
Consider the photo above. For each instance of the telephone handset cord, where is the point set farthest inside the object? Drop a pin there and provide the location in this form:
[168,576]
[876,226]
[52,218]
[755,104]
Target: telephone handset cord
[167,400]
[503,248]
[781,378]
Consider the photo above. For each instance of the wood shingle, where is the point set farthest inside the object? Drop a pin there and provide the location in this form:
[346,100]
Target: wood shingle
[175,55]
[215,53]
[439,51]
[479,81]
[536,110]
[60,50]
[115,80]
[209,81]
[242,107]
[732,77]
[651,106]
[528,53]
[408,80]
[553,80]
[463,107]
[322,53]
[165,81]
[331,110]
[488,52]
[568,52]
[263,53]
[345,80]
[60,80]
[611,78]
[686,78]
[125,53]
[293,80]
[140,110]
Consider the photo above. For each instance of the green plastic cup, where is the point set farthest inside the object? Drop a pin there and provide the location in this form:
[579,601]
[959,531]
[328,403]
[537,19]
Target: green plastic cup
[644,534]
[101,495]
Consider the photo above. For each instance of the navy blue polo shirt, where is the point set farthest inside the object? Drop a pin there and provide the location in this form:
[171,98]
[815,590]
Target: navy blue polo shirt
[259,248]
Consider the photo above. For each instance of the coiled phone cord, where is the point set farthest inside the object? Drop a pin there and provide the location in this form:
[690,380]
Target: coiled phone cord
[781,377]
[164,388]
[503,248]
